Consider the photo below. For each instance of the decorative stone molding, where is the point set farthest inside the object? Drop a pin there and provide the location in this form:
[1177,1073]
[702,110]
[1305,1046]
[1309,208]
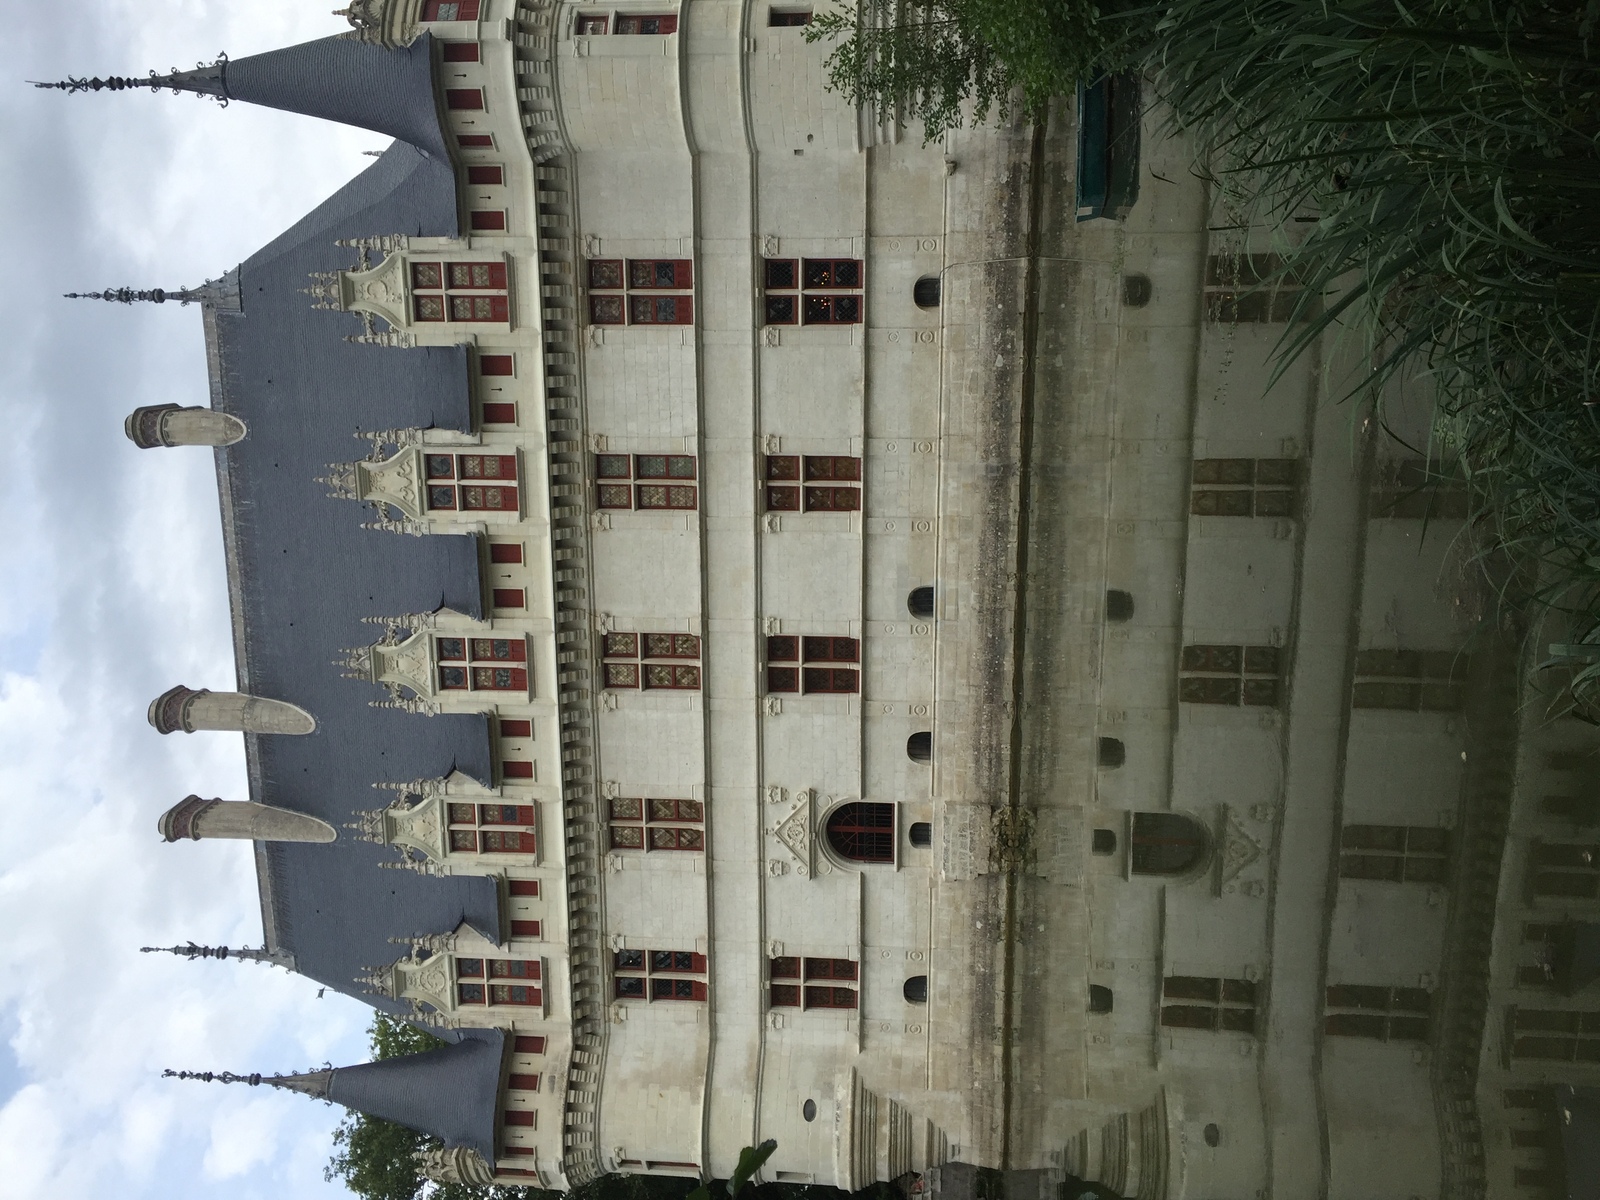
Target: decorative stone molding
[194,818]
[456,1164]
[170,425]
[387,23]
[415,824]
[190,709]
[1236,850]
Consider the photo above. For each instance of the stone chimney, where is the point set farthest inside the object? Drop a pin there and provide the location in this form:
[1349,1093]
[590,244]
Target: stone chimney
[195,818]
[190,709]
[169,425]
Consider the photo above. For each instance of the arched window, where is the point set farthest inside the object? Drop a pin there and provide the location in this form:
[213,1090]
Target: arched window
[1167,843]
[921,834]
[1119,605]
[1112,752]
[1136,290]
[916,989]
[920,602]
[1105,842]
[926,292]
[1099,998]
[919,747]
[863,832]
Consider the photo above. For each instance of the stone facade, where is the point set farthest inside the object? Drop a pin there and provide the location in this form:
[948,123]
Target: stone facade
[1176,840]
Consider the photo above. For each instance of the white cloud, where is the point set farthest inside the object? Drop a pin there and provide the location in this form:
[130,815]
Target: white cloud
[111,579]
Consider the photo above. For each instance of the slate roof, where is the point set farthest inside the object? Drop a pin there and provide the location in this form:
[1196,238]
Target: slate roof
[448,1092]
[302,572]
[337,79]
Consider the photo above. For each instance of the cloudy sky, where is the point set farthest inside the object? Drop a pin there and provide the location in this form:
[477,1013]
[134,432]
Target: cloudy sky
[112,587]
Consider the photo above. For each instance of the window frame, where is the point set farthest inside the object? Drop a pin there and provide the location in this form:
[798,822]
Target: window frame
[791,484]
[639,489]
[488,836]
[647,664]
[812,984]
[1378,1012]
[615,299]
[813,664]
[467,971]
[1244,487]
[1232,1004]
[477,657]
[676,981]
[1418,853]
[877,843]
[647,821]
[448,300]
[1253,680]
[463,485]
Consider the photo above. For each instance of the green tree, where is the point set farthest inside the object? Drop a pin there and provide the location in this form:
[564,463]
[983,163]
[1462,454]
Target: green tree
[927,60]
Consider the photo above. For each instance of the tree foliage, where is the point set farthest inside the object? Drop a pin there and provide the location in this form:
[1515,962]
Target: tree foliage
[941,61]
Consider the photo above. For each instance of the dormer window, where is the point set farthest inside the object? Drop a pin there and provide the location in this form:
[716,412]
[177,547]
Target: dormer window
[493,828]
[482,664]
[472,482]
[450,10]
[499,981]
[460,291]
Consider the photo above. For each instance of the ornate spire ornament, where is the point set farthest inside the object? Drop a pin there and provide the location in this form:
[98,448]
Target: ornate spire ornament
[307,1083]
[220,953]
[184,296]
[207,79]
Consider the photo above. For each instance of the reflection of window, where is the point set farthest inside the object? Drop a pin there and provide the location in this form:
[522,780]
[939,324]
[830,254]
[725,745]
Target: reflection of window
[450,10]
[1554,1035]
[659,479]
[482,664]
[1250,287]
[498,981]
[493,828]
[1229,675]
[1226,1004]
[1167,843]
[1396,853]
[812,671]
[862,832]
[651,660]
[1409,680]
[460,291]
[1417,489]
[812,291]
[1566,870]
[812,982]
[629,292]
[659,975]
[654,824]
[830,482]
[1389,1014]
[472,482]
[1244,487]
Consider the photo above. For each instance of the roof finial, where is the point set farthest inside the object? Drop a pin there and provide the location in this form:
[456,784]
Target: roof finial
[254,1080]
[221,953]
[124,295]
[207,79]
[308,1083]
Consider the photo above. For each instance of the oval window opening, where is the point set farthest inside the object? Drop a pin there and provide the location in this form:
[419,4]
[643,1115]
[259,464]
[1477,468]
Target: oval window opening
[916,989]
[921,834]
[926,292]
[1213,1135]
[808,1110]
[920,602]
[919,747]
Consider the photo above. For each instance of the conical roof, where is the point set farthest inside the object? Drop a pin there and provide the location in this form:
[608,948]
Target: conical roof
[343,79]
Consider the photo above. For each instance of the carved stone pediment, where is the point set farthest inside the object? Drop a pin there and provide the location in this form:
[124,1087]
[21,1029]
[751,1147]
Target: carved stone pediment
[408,665]
[397,482]
[796,833]
[1237,849]
[381,291]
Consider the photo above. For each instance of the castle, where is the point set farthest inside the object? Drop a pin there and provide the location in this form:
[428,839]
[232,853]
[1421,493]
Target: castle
[751,626]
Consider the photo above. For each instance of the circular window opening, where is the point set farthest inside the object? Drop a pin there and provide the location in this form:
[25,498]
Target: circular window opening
[1099,998]
[1136,290]
[916,989]
[1119,605]
[926,292]
[919,747]
[921,834]
[1112,752]
[1105,842]
[1213,1136]
[920,602]
[808,1110]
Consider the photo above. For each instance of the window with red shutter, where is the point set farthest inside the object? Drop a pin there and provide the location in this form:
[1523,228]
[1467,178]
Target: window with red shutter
[528,929]
[505,552]
[475,141]
[515,728]
[486,175]
[461,52]
[464,99]
[496,364]
[492,828]
[509,598]
[499,413]
[528,1045]
[516,1116]
[524,1083]
[513,768]
[485,221]
[523,887]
